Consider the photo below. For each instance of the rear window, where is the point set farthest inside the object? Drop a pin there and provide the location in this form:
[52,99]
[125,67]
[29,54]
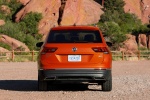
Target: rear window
[74,36]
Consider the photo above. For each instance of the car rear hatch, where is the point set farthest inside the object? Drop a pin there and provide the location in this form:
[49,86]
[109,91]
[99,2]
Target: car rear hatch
[73,55]
[74,49]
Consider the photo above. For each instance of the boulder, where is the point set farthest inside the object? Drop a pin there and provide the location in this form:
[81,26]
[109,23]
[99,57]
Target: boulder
[3,49]
[5,53]
[2,22]
[130,45]
[5,9]
[142,40]
[81,12]
[15,44]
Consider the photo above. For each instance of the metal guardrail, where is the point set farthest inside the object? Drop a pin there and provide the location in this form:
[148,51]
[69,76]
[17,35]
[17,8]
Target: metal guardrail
[21,56]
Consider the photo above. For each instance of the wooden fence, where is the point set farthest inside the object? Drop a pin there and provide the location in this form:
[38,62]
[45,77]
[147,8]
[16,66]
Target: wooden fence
[20,56]
[139,55]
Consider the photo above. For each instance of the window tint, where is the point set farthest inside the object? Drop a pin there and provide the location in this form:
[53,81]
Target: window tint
[74,36]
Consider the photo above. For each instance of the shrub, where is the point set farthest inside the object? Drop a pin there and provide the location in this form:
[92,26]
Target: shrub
[115,23]
[26,31]
[14,5]
[113,31]
[12,30]
[30,41]
[5,46]
[30,23]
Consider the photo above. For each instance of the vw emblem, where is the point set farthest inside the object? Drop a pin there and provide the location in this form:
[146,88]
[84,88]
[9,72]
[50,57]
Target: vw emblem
[74,49]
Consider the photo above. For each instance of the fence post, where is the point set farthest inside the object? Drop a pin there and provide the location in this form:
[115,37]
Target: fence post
[12,55]
[122,55]
[32,55]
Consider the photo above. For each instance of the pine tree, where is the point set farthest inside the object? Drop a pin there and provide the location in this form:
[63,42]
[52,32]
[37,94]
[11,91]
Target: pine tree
[113,10]
[114,5]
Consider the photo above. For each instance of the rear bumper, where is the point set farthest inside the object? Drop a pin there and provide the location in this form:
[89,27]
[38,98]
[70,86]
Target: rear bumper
[86,75]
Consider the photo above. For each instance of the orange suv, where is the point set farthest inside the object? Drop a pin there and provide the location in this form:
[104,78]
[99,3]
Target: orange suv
[76,54]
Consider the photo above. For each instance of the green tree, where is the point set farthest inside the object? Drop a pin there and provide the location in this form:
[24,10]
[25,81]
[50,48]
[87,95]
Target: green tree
[12,30]
[5,46]
[29,23]
[114,5]
[115,23]
[113,10]
[111,20]
[129,23]
[113,32]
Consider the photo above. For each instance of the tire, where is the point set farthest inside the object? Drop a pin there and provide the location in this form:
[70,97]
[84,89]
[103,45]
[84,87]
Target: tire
[107,85]
[42,85]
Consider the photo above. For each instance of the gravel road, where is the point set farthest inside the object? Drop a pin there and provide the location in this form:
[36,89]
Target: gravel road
[131,81]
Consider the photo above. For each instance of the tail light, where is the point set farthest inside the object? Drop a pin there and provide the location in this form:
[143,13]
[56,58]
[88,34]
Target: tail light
[101,49]
[48,50]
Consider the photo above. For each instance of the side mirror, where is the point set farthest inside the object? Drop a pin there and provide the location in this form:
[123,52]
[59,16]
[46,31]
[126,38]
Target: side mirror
[39,44]
[109,44]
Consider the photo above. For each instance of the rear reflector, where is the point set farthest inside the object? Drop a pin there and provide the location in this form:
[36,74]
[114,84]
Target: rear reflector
[101,49]
[100,69]
[48,50]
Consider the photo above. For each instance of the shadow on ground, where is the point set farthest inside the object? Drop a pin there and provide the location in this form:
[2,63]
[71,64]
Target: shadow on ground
[32,85]
[68,87]
[19,85]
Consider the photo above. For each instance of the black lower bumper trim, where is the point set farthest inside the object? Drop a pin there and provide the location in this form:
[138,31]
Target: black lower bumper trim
[76,75]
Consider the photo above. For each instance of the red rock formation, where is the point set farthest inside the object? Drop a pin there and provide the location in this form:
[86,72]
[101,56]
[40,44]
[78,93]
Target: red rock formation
[130,45]
[2,22]
[142,40]
[146,11]
[24,2]
[49,10]
[15,44]
[148,43]
[81,12]
[3,50]
[141,8]
[76,11]
[5,9]
[133,6]
[7,53]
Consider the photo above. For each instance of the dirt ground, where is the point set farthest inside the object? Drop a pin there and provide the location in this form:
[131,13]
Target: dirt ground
[131,81]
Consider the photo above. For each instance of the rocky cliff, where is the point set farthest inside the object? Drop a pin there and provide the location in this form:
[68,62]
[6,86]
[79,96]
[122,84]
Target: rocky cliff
[62,12]
[81,12]
[139,7]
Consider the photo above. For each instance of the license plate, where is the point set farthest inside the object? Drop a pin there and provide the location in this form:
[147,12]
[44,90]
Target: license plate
[74,58]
